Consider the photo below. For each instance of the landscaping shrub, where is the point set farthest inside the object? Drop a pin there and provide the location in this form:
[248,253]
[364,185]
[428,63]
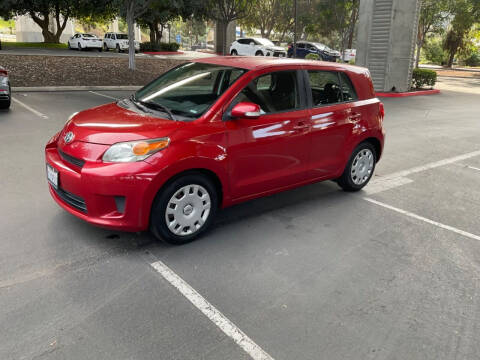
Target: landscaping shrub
[473,60]
[148,46]
[423,77]
[312,57]
[434,53]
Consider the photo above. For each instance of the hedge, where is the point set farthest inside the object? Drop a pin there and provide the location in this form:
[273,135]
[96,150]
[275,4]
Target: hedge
[148,46]
[423,77]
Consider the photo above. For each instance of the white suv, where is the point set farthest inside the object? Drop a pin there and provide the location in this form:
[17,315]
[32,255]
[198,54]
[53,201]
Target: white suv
[256,47]
[118,42]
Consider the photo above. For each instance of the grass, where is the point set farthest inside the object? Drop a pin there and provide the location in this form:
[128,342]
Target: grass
[16,45]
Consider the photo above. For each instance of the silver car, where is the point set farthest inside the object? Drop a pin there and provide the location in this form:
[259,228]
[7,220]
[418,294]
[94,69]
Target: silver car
[5,91]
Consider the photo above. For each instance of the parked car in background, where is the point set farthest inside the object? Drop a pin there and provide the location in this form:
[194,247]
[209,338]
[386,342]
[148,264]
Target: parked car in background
[5,90]
[118,42]
[256,47]
[84,42]
[213,133]
[306,47]
[349,54]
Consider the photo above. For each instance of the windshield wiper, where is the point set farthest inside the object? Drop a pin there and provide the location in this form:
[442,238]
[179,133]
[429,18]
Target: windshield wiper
[157,106]
[137,105]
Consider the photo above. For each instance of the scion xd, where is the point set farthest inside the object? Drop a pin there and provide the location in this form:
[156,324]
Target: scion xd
[212,133]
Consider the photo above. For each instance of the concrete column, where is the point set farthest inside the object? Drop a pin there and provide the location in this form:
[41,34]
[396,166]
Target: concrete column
[231,36]
[386,35]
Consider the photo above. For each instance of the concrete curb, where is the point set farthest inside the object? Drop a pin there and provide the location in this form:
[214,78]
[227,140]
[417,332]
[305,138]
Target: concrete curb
[410,93]
[73,88]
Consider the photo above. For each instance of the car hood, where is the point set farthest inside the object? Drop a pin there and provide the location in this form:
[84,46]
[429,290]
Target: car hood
[109,124]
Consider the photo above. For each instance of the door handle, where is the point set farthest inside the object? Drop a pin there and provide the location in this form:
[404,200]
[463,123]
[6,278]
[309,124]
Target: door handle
[300,126]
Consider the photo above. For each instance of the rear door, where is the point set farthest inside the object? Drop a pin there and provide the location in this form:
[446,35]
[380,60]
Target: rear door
[332,122]
[269,152]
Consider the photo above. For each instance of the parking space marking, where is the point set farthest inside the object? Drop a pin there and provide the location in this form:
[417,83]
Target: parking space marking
[424,219]
[399,178]
[106,96]
[32,110]
[212,313]
[473,167]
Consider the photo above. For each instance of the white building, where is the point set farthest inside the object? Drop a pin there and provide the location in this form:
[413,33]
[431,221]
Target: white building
[28,31]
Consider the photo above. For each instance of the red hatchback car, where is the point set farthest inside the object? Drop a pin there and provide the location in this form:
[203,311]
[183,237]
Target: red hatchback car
[212,133]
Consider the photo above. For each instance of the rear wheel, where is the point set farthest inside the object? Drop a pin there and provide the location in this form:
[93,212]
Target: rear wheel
[259,53]
[359,169]
[234,53]
[184,209]
[79,47]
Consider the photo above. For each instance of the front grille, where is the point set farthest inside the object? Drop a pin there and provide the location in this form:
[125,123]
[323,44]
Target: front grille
[71,159]
[73,200]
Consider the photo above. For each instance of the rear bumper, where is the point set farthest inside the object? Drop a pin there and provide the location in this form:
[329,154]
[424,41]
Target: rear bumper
[108,195]
[4,88]
[94,46]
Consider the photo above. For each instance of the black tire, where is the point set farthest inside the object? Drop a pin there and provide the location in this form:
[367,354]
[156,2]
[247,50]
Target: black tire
[117,49]
[259,53]
[347,180]
[234,52]
[100,49]
[68,46]
[105,47]
[158,222]
[79,47]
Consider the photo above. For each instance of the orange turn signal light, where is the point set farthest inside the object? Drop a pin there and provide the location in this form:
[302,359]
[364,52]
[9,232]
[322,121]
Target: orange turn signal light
[144,147]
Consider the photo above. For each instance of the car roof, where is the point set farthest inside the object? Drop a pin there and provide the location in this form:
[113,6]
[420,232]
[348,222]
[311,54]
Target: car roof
[260,62]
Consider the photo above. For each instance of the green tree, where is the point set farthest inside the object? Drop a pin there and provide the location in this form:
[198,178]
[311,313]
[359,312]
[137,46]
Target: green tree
[465,14]
[265,16]
[433,17]
[44,12]
[226,11]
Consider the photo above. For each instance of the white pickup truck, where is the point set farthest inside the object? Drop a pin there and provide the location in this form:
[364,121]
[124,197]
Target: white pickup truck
[118,42]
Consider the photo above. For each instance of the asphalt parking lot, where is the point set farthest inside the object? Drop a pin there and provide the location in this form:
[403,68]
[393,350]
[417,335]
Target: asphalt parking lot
[392,272]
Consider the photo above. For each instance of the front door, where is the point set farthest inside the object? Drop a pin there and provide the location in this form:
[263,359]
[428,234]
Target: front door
[269,152]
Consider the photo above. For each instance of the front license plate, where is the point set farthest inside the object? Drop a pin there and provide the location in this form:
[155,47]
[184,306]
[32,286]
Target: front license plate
[52,176]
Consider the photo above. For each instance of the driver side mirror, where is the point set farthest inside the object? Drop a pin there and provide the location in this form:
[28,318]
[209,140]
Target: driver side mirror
[246,110]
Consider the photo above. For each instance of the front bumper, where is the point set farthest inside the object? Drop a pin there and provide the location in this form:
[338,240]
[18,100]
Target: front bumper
[114,195]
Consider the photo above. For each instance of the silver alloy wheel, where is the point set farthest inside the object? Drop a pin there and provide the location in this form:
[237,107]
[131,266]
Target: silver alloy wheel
[188,210]
[362,167]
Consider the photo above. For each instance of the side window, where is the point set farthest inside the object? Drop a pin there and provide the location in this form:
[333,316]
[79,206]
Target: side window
[113,36]
[326,88]
[243,41]
[273,92]
[348,90]
[301,46]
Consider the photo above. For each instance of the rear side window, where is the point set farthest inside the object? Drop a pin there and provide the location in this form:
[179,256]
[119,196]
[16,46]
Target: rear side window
[326,87]
[348,91]
[273,92]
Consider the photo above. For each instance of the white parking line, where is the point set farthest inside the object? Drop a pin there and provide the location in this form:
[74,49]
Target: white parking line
[229,328]
[38,113]
[473,167]
[106,96]
[399,178]
[424,219]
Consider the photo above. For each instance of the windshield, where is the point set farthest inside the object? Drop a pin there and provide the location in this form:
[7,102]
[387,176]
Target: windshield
[189,90]
[88,36]
[321,46]
[265,42]
[122,36]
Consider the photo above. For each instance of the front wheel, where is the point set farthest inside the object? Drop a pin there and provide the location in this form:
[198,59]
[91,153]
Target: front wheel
[259,53]
[79,47]
[105,47]
[117,49]
[359,169]
[184,209]
[234,52]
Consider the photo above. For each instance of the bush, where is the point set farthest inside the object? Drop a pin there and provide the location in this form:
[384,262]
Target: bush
[148,46]
[423,77]
[312,57]
[434,53]
[473,60]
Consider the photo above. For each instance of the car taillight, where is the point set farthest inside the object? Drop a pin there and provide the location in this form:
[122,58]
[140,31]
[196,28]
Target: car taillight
[382,110]
[290,46]
[3,72]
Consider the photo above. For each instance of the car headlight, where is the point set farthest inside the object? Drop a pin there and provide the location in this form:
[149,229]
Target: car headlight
[132,151]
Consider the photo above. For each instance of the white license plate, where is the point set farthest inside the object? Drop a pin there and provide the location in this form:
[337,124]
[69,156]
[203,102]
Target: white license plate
[52,176]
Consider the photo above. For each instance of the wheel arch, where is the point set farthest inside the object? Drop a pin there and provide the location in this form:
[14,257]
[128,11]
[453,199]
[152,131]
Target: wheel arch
[376,145]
